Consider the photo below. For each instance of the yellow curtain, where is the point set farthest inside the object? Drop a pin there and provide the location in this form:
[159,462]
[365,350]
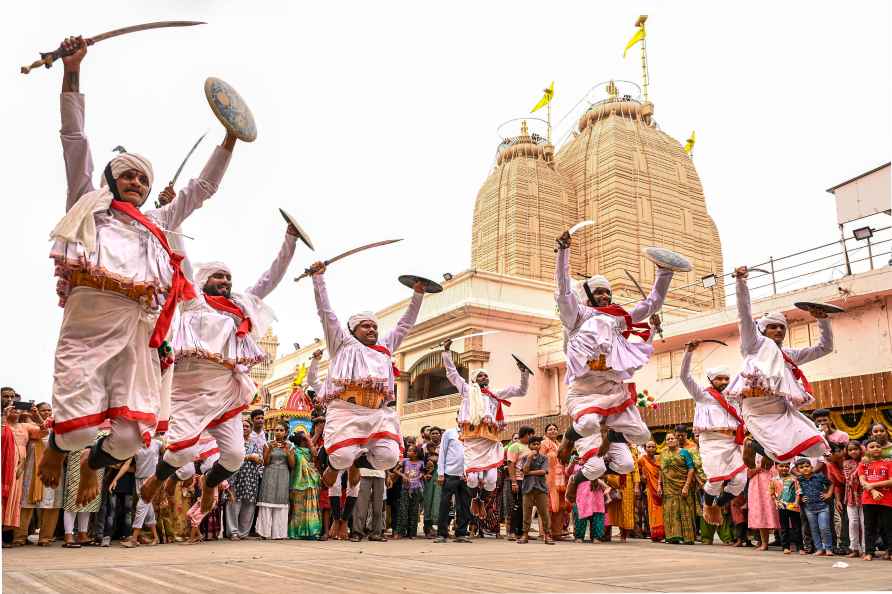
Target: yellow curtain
[868,418]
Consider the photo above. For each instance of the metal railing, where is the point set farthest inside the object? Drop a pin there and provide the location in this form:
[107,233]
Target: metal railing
[820,264]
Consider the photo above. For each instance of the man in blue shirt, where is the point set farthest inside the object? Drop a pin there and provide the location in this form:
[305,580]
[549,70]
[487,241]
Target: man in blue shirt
[451,477]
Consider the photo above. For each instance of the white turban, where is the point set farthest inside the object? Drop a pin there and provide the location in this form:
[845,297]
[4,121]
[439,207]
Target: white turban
[772,317]
[357,319]
[714,372]
[206,270]
[596,282]
[477,373]
[126,161]
[78,224]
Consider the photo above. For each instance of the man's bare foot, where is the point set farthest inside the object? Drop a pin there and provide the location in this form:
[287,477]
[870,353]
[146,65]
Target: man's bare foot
[88,488]
[712,514]
[207,497]
[50,469]
[353,475]
[149,489]
[762,547]
[193,541]
[565,450]
[329,476]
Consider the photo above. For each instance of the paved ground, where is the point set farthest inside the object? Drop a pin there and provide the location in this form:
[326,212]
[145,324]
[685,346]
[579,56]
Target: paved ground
[424,567]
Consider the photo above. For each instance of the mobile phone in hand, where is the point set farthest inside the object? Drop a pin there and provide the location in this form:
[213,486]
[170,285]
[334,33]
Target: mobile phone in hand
[21,405]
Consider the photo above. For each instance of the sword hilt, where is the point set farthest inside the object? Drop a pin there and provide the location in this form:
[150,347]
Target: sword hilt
[307,271]
[47,58]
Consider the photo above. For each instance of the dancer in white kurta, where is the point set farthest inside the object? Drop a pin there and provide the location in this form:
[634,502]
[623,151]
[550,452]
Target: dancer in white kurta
[771,386]
[361,429]
[600,360]
[215,346]
[719,425]
[482,418]
[119,282]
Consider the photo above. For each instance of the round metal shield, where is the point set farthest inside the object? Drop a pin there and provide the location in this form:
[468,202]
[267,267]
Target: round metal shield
[301,234]
[522,364]
[429,286]
[668,259]
[230,109]
[824,307]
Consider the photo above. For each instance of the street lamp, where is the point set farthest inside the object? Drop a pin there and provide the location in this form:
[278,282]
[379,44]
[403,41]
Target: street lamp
[863,233]
[708,281]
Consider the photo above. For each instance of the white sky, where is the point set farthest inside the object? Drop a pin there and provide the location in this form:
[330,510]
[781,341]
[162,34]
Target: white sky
[378,120]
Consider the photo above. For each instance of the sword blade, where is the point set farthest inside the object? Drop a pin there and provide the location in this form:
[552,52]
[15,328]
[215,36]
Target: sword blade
[189,154]
[632,278]
[484,333]
[355,250]
[580,225]
[143,27]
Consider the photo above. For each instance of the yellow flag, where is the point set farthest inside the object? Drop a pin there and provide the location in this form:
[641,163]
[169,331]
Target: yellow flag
[300,375]
[546,98]
[638,36]
[689,145]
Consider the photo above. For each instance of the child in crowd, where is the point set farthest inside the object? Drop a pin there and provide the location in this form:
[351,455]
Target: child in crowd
[816,490]
[196,516]
[589,508]
[853,498]
[786,493]
[342,506]
[410,471]
[738,517]
[535,492]
[875,474]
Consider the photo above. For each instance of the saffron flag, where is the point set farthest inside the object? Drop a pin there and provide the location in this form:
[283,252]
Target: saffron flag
[638,36]
[689,145]
[300,376]
[546,98]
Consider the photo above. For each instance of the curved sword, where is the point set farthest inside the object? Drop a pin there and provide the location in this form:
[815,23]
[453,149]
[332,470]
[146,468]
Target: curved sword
[355,250]
[657,327]
[47,58]
[189,154]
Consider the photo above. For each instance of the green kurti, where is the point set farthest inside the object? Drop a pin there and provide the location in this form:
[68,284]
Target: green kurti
[679,512]
[305,521]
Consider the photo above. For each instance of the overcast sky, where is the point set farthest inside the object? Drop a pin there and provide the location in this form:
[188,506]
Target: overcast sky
[378,120]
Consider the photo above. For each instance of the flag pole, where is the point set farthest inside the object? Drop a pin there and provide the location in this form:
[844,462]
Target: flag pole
[549,121]
[644,73]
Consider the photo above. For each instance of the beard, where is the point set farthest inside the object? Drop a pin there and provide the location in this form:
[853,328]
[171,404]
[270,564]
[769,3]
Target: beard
[216,291]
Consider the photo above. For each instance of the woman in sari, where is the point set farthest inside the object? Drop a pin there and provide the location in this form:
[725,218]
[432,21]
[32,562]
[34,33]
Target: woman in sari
[622,509]
[555,479]
[649,469]
[305,522]
[677,475]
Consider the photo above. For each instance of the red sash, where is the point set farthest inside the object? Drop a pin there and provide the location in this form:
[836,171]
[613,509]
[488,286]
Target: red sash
[797,373]
[180,288]
[384,350]
[616,311]
[738,437]
[500,414]
[221,303]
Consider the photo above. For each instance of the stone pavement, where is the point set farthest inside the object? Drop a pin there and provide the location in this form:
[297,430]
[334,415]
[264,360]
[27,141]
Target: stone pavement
[420,566]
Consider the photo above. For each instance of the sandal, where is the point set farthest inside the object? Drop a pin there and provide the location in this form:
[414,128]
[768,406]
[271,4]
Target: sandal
[523,540]
[71,545]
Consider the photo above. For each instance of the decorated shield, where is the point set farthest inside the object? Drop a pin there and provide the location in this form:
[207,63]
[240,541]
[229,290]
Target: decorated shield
[667,259]
[827,308]
[429,286]
[301,234]
[230,109]
[522,364]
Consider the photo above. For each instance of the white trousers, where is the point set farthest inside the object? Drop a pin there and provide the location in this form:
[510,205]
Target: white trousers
[490,477]
[83,521]
[618,457]
[145,512]
[272,522]
[239,515]
[856,527]
[230,440]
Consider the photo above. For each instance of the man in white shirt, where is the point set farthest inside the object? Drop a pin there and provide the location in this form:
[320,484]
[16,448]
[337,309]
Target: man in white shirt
[451,477]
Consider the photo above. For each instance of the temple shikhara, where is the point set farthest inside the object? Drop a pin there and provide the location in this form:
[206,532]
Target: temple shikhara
[615,166]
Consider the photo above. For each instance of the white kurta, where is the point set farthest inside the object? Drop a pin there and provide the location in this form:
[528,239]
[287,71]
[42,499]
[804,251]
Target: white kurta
[589,334]
[774,419]
[350,429]
[481,453]
[210,382]
[104,366]
[722,457]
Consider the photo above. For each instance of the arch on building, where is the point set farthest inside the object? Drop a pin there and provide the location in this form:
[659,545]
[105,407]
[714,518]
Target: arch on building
[427,377]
